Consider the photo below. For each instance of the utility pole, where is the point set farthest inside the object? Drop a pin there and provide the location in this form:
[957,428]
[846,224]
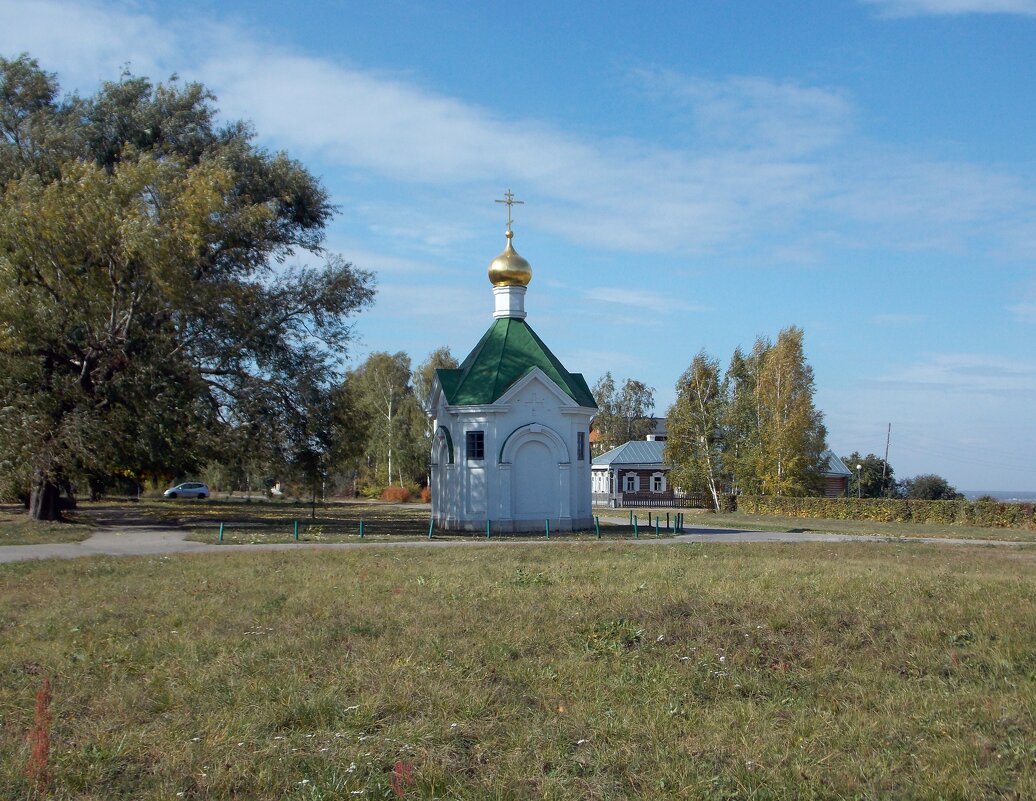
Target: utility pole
[885,464]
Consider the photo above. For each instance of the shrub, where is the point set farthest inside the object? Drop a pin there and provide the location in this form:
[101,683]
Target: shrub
[396,494]
[976,513]
[426,494]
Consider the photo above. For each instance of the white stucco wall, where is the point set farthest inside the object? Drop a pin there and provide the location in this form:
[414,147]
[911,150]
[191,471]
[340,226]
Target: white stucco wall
[531,471]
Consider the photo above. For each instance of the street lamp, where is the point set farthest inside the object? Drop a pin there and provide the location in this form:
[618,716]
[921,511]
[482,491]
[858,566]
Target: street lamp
[859,486]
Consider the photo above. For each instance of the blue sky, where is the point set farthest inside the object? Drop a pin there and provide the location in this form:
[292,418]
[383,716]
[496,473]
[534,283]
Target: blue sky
[693,177]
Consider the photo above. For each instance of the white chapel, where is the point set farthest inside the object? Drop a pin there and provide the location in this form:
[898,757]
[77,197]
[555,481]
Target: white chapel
[512,425]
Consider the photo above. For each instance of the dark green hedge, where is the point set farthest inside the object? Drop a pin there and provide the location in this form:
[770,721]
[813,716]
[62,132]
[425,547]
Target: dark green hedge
[970,513]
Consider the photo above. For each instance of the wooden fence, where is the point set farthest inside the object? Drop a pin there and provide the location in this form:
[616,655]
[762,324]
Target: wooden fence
[652,500]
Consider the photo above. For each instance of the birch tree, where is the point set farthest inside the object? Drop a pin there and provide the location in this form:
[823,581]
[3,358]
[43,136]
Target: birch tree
[624,413]
[791,430]
[381,387]
[740,419]
[695,442]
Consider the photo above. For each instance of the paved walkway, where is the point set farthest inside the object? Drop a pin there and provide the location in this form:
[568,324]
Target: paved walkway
[145,540]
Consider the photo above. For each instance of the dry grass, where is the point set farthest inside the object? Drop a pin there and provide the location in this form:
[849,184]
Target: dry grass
[702,517]
[613,671]
[17,529]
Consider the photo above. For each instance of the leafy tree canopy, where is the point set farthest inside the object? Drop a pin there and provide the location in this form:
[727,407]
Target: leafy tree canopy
[382,393]
[145,311]
[870,475]
[928,487]
[695,439]
[754,430]
[624,413]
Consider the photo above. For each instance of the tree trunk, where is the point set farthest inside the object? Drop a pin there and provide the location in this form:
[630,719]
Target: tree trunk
[44,499]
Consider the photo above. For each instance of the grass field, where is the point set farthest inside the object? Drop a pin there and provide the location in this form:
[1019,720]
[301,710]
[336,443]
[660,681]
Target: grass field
[747,522]
[582,671]
[17,529]
[941,531]
[260,521]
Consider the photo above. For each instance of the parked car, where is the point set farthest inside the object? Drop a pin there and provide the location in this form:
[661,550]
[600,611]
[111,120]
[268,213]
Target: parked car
[189,489]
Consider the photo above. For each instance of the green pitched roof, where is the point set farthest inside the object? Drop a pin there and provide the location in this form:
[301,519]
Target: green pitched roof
[507,351]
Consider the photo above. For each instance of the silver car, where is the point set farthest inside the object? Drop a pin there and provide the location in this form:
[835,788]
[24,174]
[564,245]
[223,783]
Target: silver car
[189,489]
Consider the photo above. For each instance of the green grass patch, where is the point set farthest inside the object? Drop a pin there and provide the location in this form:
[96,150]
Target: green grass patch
[614,671]
[274,522]
[17,529]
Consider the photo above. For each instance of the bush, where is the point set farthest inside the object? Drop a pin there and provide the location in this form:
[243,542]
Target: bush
[728,503]
[426,494]
[396,494]
[973,513]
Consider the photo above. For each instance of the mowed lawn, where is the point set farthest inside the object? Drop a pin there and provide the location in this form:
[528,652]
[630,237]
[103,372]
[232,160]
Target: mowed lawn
[556,671]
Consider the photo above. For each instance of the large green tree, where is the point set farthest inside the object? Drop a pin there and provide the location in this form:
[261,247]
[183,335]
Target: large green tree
[145,309]
[874,479]
[695,440]
[928,487]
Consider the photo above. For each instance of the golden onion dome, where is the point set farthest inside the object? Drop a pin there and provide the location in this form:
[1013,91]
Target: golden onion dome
[509,269]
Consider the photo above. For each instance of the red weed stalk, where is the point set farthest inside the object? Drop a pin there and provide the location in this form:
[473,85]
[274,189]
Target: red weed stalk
[38,768]
[402,777]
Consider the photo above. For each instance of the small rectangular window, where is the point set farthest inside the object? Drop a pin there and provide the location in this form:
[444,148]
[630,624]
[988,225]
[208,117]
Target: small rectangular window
[580,446]
[476,444]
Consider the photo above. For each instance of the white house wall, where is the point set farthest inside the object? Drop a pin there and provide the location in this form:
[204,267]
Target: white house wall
[530,473]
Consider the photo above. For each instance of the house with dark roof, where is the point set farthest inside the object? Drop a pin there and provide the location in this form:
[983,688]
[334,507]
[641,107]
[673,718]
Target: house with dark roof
[511,446]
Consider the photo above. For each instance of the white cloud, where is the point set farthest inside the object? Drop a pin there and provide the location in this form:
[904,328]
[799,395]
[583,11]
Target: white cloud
[774,161]
[87,40]
[970,373]
[635,300]
[915,8]
[757,113]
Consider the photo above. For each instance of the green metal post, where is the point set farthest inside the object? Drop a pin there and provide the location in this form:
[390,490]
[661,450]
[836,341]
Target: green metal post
[296,531]
[361,529]
[636,529]
[657,518]
[547,524]
[631,517]
[431,525]
[489,524]
[221,532]
[597,525]
[667,521]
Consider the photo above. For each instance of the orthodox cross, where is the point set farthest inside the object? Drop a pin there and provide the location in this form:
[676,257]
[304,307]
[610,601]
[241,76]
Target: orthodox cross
[510,201]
